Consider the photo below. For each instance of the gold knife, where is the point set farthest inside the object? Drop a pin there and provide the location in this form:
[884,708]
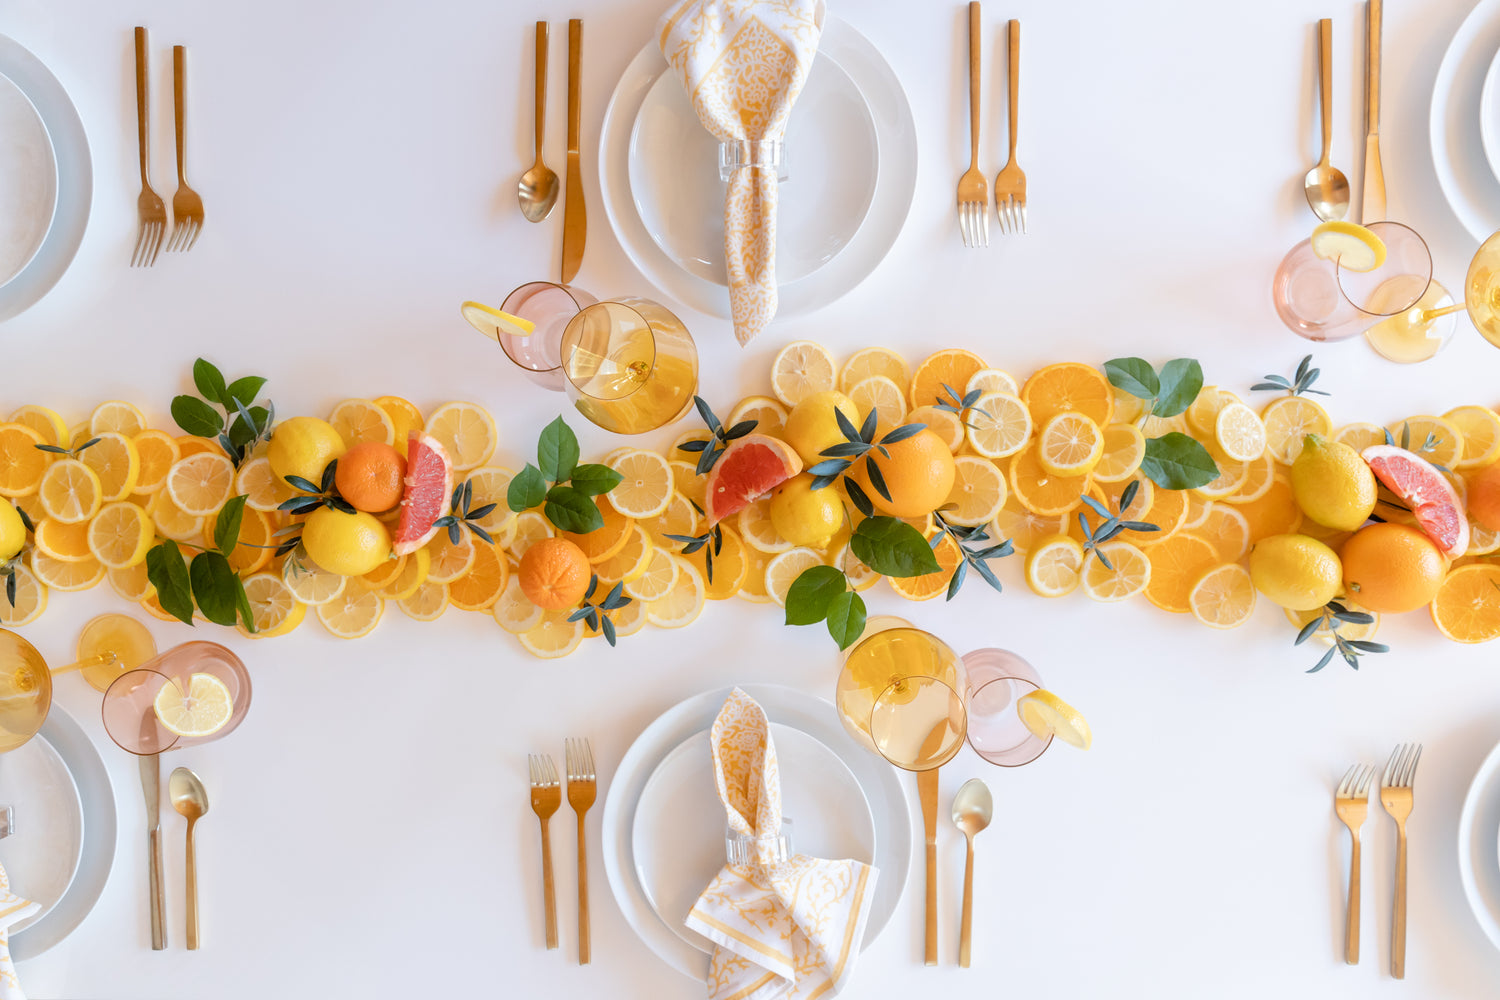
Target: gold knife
[927,792]
[575,219]
[150,765]
[1372,194]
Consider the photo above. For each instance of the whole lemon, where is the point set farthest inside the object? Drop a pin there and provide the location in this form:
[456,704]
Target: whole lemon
[919,475]
[1333,485]
[346,544]
[812,427]
[1296,571]
[805,516]
[1392,568]
[12,531]
[303,446]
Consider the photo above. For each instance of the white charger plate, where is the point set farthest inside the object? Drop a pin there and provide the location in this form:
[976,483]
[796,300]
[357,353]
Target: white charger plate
[28,180]
[41,856]
[1458,155]
[677,839]
[896,139]
[1479,846]
[75,179]
[833,159]
[879,781]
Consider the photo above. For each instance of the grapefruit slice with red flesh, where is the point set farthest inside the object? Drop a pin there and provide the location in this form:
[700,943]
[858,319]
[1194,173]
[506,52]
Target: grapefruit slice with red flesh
[1432,499]
[750,467]
[429,487]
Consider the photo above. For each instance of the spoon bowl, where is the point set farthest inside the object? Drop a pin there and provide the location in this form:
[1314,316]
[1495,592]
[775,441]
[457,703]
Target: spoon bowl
[973,808]
[1327,192]
[539,187]
[189,798]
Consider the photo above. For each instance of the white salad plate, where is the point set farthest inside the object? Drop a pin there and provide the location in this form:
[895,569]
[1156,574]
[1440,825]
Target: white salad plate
[75,179]
[1464,172]
[28,180]
[880,783]
[833,158]
[1479,846]
[46,843]
[895,181]
[679,829]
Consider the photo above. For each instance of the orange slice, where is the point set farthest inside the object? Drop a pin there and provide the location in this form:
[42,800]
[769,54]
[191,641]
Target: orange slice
[953,367]
[1176,564]
[1040,491]
[930,585]
[1069,386]
[1467,605]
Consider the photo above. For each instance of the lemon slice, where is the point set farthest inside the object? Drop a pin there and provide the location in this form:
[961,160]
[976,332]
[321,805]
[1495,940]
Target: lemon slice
[1353,247]
[873,361]
[1045,714]
[999,424]
[1224,597]
[656,580]
[115,416]
[882,395]
[782,571]
[427,602]
[1054,568]
[682,604]
[1070,444]
[554,636]
[513,610]
[353,613]
[466,431]
[1123,451]
[769,415]
[979,491]
[119,535]
[493,323]
[273,605]
[801,369]
[201,710]
[1239,433]
[1128,572]
[31,599]
[309,583]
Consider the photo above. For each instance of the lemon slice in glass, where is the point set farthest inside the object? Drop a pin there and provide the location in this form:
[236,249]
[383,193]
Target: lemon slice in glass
[1045,714]
[201,710]
[493,323]
[1355,248]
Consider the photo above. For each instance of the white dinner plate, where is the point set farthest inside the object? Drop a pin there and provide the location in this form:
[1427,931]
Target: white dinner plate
[896,139]
[677,839]
[1489,107]
[1479,846]
[42,853]
[75,179]
[879,781]
[1458,155]
[97,854]
[833,158]
[28,180]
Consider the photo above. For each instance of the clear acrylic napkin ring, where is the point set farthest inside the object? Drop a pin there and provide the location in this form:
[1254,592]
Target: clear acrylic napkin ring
[742,850]
[765,153]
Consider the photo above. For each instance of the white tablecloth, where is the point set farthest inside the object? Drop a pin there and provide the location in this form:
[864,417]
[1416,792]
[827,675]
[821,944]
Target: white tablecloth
[370,831]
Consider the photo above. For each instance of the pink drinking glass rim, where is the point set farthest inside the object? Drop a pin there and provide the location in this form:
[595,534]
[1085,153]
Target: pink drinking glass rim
[962,708]
[1338,272]
[602,304]
[104,712]
[1008,678]
[566,290]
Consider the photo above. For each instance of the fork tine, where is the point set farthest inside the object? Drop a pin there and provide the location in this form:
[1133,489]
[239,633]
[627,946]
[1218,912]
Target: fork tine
[1348,782]
[551,770]
[1409,771]
[588,759]
[156,241]
[197,228]
[1399,779]
[531,767]
[1390,766]
[135,255]
[1366,778]
[1024,230]
[983,210]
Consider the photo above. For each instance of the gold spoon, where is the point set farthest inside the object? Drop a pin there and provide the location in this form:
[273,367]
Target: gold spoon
[191,800]
[1327,188]
[539,184]
[973,808]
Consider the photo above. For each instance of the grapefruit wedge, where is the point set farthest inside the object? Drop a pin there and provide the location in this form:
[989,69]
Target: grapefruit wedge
[750,467]
[1432,499]
[428,488]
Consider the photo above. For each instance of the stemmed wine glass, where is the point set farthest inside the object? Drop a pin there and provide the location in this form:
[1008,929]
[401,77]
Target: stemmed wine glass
[25,691]
[901,694]
[1421,330]
[629,365]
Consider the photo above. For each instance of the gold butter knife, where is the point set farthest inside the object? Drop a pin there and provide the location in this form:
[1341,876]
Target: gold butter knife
[150,766]
[927,792]
[1372,195]
[575,219]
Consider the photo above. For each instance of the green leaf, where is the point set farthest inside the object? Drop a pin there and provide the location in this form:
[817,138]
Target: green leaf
[809,597]
[241,433]
[227,524]
[595,480]
[1181,381]
[891,546]
[846,618]
[196,417]
[209,381]
[526,490]
[214,587]
[572,510]
[169,575]
[1177,462]
[1133,375]
[244,390]
[557,452]
[242,601]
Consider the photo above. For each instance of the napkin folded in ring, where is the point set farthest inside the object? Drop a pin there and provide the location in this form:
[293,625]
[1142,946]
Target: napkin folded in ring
[743,63]
[13,909]
[782,927]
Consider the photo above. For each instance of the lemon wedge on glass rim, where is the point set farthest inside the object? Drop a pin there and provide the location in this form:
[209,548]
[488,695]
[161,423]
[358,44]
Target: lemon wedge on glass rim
[493,323]
[202,710]
[1045,714]
[1353,247]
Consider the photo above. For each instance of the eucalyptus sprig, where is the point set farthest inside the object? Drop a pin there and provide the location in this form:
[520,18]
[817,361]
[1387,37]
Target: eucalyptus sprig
[597,615]
[564,489]
[72,451]
[975,558]
[1298,386]
[709,452]
[858,445]
[315,495]
[711,541]
[1110,525]
[959,404]
[1429,445]
[8,568]
[209,580]
[1173,461]
[1334,616]
[466,514]
[241,426]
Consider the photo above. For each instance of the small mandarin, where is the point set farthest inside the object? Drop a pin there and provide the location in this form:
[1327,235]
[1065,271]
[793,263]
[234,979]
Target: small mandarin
[554,574]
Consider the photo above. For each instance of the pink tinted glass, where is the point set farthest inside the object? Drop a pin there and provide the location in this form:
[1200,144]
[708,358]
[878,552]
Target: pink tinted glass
[998,679]
[129,705]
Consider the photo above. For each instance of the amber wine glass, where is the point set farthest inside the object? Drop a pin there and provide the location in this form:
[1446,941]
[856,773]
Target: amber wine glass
[901,694]
[25,690]
[630,365]
[108,646]
[1421,331]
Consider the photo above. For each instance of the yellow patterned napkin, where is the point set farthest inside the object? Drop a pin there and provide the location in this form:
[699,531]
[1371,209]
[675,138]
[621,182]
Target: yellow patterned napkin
[743,63]
[13,909]
[780,929]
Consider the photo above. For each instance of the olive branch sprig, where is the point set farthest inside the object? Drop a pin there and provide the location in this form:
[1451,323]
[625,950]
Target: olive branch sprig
[858,445]
[466,516]
[709,452]
[973,558]
[597,615]
[1334,616]
[959,404]
[1111,524]
[1299,384]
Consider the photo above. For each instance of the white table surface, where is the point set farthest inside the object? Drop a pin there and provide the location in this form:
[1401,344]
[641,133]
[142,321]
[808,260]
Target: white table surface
[370,831]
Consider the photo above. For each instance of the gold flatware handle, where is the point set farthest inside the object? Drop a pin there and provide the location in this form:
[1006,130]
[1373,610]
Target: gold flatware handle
[1372,69]
[1013,70]
[964,934]
[179,85]
[158,894]
[927,793]
[549,894]
[1325,84]
[1351,917]
[583,896]
[142,95]
[192,890]
[541,86]
[974,59]
[575,217]
[1398,909]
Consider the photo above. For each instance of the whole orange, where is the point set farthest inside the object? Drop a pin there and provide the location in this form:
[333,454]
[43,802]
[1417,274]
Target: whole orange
[1392,568]
[554,574]
[1484,497]
[919,474]
[369,476]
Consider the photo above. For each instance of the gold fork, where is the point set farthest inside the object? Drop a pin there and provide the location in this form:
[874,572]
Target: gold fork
[1395,795]
[582,787]
[150,207]
[1010,183]
[187,207]
[1352,803]
[973,192]
[546,796]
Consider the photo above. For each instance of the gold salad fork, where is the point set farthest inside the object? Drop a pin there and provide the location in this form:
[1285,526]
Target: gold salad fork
[187,207]
[1010,183]
[1352,802]
[973,192]
[546,796]
[150,207]
[582,787]
[1395,795]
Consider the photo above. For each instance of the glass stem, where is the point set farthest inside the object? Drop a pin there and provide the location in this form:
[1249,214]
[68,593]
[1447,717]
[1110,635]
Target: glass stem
[1428,315]
[103,659]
